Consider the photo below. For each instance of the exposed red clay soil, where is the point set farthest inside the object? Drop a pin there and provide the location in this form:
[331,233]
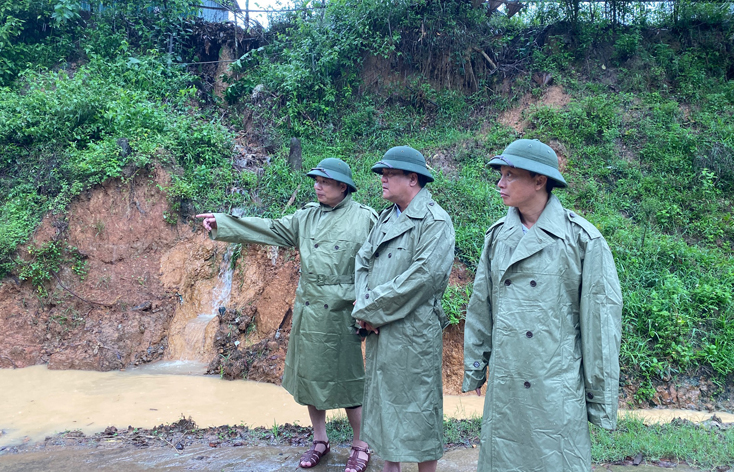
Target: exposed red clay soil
[120,312]
[143,274]
[553,97]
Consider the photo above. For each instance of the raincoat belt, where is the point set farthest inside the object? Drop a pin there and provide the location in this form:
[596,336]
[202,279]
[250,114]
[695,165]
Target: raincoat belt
[325,279]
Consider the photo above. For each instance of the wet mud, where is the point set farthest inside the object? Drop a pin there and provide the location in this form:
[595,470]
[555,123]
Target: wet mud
[222,449]
[246,458]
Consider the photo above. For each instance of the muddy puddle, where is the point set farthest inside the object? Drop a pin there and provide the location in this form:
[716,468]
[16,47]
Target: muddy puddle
[260,459]
[38,402]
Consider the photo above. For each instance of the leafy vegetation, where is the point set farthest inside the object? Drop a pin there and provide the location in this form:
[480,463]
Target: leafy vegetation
[705,446]
[646,137]
[70,128]
[46,260]
[645,133]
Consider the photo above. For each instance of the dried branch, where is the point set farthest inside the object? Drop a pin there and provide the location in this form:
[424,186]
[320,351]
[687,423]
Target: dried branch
[491,62]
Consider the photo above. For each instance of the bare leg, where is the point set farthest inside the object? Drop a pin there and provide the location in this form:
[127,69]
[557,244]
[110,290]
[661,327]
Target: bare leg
[354,415]
[318,421]
[391,467]
[427,466]
[355,419]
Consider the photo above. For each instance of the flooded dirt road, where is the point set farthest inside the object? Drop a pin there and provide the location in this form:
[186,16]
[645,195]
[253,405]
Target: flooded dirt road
[38,402]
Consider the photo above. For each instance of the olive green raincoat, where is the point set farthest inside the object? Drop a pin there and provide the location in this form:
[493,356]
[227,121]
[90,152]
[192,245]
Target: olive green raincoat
[323,365]
[545,318]
[402,272]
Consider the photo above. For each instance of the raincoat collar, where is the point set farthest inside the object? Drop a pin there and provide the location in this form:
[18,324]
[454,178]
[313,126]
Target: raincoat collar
[416,210]
[548,227]
[553,218]
[339,205]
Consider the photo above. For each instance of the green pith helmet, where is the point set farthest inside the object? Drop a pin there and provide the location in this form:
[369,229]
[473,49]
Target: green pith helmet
[533,156]
[403,158]
[335,169]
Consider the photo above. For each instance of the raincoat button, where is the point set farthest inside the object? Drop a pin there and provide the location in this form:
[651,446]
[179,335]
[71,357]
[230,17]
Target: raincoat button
[307,303]
[590,396]
[377,254]
[315,245]
[527,384]
[572,215]
[336,247]
[326,307]
[529,334]
[389,255]
[533,283]
[367,296]
[476,364]
[431,203]
[508,282]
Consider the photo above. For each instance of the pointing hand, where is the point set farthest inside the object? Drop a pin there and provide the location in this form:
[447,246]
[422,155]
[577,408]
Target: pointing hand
[209,222]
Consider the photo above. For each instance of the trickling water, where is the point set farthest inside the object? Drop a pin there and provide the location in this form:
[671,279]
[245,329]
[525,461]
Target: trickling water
[194,341]
[195,338]
[224,288]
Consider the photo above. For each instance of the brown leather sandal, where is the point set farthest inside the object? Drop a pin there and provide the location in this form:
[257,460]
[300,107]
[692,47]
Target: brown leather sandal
[313,456]
[354,462]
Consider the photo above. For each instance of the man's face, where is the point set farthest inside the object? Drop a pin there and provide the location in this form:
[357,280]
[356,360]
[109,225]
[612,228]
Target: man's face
[395,185]
[329,191]
[517,187]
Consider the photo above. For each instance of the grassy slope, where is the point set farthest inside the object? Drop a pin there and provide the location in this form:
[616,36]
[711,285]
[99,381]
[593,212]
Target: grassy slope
[648,133]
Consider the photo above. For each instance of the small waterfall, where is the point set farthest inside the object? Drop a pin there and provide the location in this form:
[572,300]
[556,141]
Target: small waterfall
[195,332]
[191,337]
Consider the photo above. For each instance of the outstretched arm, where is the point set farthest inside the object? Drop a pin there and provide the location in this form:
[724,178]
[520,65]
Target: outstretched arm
[281,232]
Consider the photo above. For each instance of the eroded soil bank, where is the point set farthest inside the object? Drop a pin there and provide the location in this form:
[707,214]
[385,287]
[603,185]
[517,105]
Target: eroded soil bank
[146,277]
[149,274]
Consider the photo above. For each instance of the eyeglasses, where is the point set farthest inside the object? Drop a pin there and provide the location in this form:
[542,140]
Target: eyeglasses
[321,169]
[390,173]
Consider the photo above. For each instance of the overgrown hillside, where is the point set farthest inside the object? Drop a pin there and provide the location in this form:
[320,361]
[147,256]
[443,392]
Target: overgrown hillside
[644,131]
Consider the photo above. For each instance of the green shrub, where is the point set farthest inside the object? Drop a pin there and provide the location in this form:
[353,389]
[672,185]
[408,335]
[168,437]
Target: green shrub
[45,261]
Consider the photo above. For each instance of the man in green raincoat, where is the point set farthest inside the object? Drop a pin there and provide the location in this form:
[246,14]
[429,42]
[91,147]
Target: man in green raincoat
[401,274]
[324,368]
[545,321]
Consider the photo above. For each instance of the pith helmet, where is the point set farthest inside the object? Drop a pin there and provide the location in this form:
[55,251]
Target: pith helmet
[403,158]
[533,156]
[335,169]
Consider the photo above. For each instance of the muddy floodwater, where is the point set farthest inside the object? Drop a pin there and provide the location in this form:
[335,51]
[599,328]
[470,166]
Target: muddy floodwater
[38,402]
